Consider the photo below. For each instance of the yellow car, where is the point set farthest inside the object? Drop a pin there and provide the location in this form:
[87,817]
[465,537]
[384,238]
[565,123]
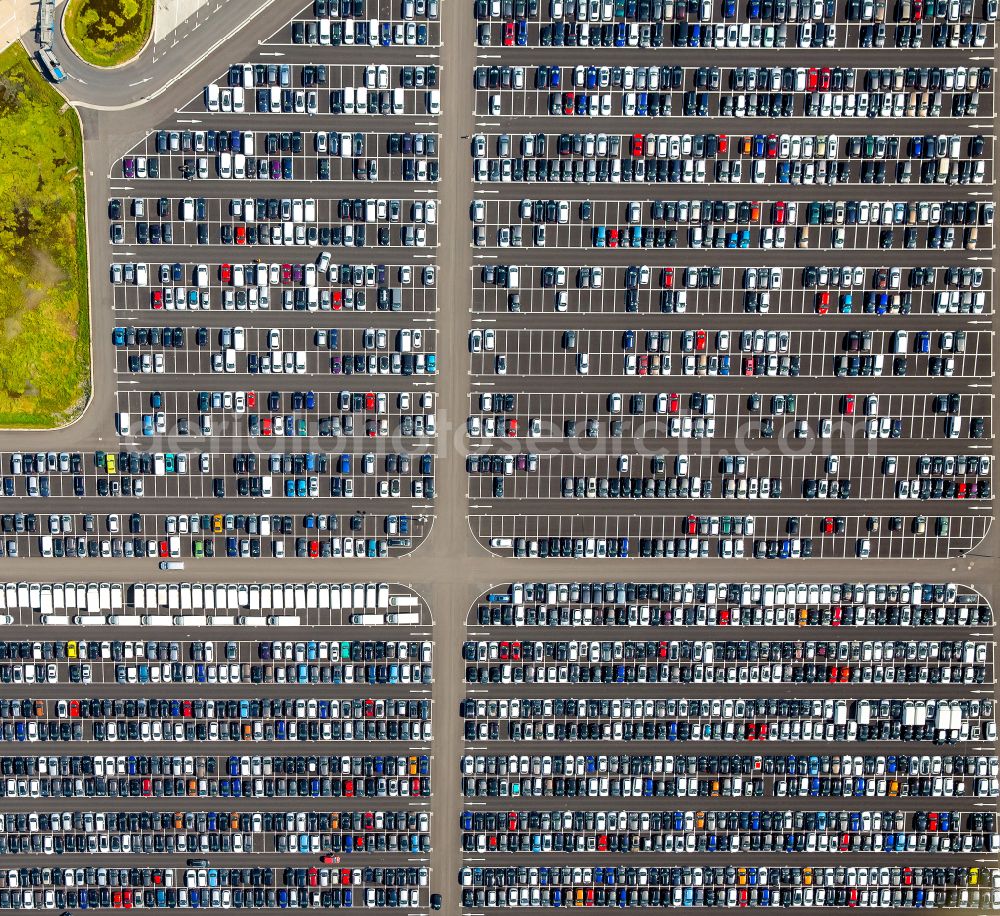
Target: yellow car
[71,649]
[216,524]
[111,464]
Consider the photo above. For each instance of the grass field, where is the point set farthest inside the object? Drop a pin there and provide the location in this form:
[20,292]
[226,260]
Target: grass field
[106,33]
[44,317]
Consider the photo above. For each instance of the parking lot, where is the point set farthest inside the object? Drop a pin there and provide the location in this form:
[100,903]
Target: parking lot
[598,440]
[769,27]
[256,833]
[805,354]
[814,225]
[740,92]
[340,89]
[783,159]
[551,531]
[344,288]
[224,221]
[296,155]
[329,530]
[707,290]
[516,857]
[273,350]
[342,24]
[192,448]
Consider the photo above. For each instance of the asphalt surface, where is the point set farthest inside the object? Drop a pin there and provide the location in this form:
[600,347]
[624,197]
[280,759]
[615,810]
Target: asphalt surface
[450,570]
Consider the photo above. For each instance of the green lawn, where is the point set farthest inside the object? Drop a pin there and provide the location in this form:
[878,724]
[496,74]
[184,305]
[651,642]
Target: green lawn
[108,32]
[44,320]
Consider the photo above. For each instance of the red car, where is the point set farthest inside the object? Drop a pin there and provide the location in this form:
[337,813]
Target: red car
[512,428]
[723,144]
[164,549]
[265,426]
[157,299]
[226,273]
[692,524]
[667,278]
[822,303]
[286,273]
[828,526]
[508,34]
[313,549]
[251,399]
[772,146]
[675,402]
[638,145]
[780,213]
[848,405]
[812,78]
[241,235]
[370,401]
[700,339]
[337,300]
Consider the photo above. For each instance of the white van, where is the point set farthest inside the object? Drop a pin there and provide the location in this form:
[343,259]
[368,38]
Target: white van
[225,165]
[433,101]
[212,97]
[124,424]
[348,100]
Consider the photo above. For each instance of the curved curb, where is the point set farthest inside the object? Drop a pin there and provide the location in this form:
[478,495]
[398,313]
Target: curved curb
[135,103]
[111,67]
